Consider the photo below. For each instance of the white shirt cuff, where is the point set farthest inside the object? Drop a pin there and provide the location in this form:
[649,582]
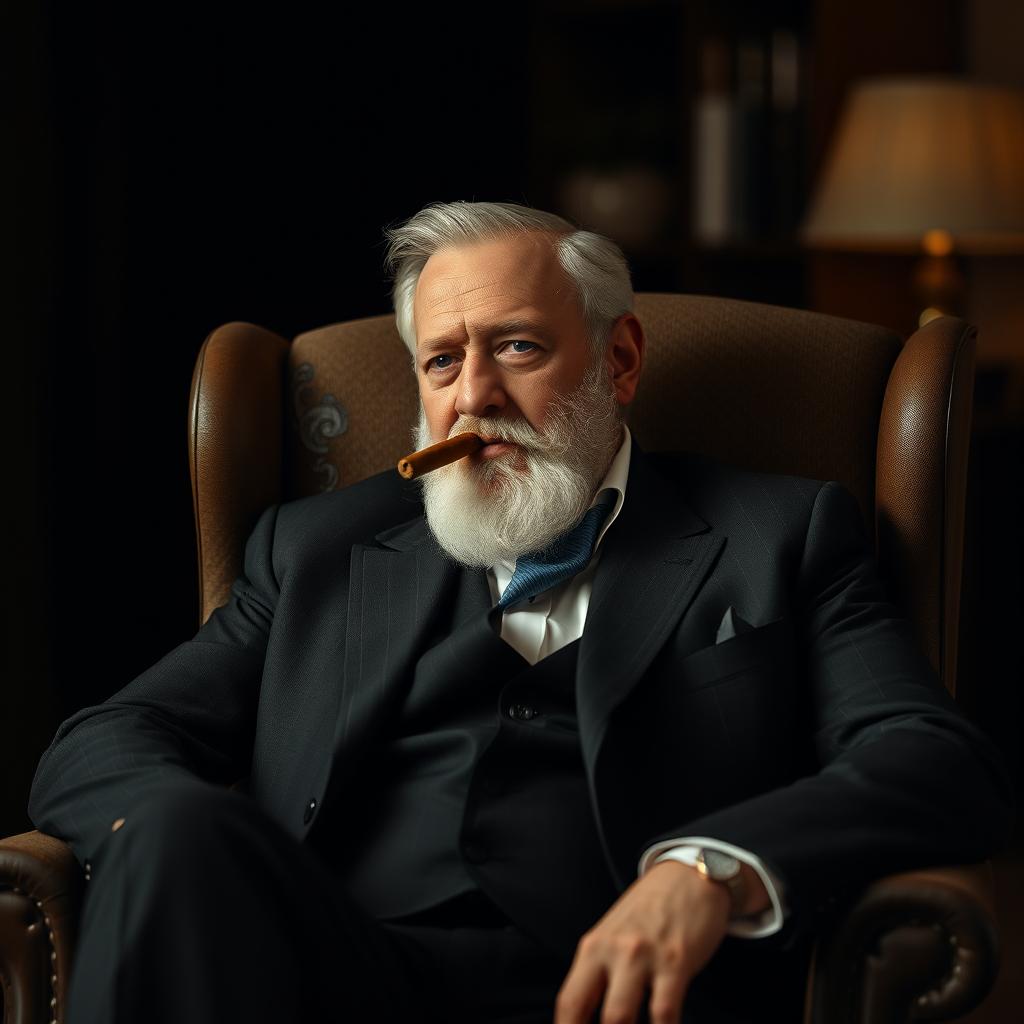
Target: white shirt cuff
[685,849]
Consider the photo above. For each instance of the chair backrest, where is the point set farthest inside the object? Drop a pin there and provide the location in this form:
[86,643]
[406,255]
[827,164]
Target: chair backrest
[760,386]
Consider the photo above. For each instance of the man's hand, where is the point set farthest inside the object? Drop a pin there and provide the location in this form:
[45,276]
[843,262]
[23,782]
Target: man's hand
[657,935]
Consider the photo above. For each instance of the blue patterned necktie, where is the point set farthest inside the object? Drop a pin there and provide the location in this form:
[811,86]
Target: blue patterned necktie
[567,556]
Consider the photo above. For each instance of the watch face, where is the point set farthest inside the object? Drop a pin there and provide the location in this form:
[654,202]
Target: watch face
[720,866]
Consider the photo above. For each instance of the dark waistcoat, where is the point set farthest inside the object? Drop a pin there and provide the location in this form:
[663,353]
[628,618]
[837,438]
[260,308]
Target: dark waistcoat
[480,787]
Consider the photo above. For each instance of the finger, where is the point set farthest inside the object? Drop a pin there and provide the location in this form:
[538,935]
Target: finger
[581,991]
[668,990]
[626,987]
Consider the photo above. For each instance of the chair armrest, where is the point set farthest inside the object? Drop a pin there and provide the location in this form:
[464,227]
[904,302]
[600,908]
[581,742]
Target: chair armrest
[40,895]
[920,945]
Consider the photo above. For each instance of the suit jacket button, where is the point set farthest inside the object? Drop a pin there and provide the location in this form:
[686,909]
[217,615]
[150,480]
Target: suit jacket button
[307,815]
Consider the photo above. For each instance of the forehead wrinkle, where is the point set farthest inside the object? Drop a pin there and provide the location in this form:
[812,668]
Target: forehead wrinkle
[454,293]
[454,284]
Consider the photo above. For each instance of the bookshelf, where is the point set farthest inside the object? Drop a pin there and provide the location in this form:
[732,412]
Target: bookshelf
[692,131]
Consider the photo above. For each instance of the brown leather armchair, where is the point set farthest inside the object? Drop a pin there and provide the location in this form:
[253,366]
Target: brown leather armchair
[769,388]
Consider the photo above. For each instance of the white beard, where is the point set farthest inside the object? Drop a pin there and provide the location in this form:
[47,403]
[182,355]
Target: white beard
[494,511]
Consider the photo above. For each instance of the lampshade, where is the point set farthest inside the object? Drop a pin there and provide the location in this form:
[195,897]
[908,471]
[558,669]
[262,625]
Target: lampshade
[932,162]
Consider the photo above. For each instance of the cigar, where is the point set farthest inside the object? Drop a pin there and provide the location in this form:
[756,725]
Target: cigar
[426,460]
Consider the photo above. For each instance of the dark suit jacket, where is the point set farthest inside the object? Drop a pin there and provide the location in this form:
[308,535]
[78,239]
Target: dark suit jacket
[820,739]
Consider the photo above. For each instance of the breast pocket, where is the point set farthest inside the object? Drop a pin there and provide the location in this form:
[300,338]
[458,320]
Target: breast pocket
[736,702]
[730,707]
[757,651]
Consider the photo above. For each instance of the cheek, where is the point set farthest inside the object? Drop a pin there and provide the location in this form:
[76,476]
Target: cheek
[438,413]
[531,399]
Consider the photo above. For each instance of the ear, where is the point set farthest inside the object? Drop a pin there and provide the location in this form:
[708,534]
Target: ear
[625,356]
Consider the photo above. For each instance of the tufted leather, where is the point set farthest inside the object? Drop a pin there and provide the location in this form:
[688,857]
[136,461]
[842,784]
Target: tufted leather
[40,893]
[925,943]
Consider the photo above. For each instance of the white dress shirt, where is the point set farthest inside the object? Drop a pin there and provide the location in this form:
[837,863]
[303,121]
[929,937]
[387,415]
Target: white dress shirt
[545,624]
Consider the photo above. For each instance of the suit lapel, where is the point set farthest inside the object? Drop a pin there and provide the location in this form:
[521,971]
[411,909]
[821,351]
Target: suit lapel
[654,560]
[396,592]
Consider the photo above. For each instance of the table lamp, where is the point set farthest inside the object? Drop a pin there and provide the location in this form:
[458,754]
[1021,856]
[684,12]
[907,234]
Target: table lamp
[932,165]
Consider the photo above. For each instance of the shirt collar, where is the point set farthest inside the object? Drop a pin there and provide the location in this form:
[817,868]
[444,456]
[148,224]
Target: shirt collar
[614,480]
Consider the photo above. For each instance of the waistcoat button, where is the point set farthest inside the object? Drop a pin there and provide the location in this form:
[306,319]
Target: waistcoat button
[307,815]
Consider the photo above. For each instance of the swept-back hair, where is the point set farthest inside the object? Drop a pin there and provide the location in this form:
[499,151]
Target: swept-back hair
[594,263]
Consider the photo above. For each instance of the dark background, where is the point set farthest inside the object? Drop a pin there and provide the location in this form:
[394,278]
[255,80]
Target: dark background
[167,169]
[171,169]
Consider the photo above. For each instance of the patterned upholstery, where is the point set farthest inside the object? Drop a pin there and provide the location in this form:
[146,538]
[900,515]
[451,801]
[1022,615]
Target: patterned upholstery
[765,387]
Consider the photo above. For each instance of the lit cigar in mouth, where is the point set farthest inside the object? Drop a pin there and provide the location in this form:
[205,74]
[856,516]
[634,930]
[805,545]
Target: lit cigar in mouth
[426,460]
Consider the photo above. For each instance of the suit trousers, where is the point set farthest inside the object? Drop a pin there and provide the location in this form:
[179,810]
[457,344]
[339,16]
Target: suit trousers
[202,909]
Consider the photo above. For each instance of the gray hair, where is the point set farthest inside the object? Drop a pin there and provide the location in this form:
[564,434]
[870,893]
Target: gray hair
[594,263]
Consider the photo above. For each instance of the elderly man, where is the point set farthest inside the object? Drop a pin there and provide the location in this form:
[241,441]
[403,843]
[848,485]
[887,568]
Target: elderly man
[601,733]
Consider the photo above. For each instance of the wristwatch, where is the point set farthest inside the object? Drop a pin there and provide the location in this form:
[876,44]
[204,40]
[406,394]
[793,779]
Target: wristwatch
[715,866]
[722,867]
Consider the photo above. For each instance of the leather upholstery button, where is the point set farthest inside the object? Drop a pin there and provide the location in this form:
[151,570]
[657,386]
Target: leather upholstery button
[475,853]
[307,816]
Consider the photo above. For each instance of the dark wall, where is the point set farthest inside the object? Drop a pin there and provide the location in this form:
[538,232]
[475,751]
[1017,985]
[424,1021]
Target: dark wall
[178,168]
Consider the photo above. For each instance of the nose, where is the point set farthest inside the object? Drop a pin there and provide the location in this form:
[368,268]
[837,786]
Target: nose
[480,388]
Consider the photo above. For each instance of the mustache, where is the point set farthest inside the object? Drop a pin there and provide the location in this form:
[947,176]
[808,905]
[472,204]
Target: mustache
[513,431]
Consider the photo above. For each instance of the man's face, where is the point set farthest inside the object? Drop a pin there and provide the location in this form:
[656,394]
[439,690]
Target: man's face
[500,335]
[503,350]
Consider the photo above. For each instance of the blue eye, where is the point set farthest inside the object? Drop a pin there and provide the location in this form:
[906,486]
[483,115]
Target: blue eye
[440,362]
[516,346]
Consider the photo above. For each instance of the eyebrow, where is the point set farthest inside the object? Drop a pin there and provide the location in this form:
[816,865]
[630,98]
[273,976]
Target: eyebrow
[515,326]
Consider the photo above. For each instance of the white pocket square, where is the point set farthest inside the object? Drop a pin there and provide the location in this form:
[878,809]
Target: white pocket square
[731,625]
